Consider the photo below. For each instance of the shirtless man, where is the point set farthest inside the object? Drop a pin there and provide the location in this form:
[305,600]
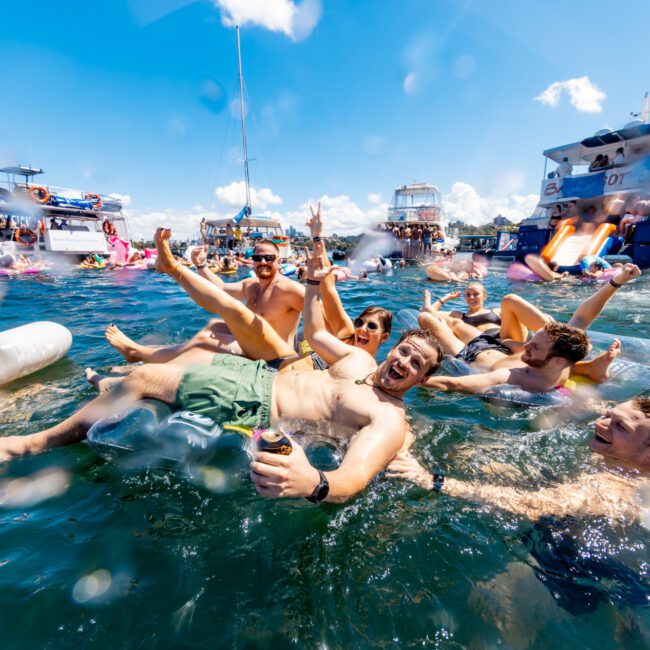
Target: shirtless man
[354,397]
[622,436]
[499,357]
[271,295]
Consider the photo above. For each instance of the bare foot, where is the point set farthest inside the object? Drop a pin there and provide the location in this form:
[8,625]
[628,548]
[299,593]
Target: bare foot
[165,262]
[101,382]
[598,368]
[127,347]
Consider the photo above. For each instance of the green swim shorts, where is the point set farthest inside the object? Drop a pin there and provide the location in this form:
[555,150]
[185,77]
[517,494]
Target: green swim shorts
[233,390]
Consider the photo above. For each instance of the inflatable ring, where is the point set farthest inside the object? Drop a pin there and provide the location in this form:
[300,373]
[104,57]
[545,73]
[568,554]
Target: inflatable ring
[588,260]
[30,235]
[39,193]
[95,199]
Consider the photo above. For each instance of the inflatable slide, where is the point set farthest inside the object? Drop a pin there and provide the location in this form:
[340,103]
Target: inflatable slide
[567,247]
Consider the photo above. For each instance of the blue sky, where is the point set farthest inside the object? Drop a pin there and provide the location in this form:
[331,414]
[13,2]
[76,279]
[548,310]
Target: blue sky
[346,100]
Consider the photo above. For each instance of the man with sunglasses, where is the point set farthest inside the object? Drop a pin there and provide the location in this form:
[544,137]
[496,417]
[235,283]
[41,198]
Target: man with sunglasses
[278,299]
[355,400]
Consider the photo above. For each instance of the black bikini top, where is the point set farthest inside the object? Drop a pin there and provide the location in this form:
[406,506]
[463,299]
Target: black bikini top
[482,319]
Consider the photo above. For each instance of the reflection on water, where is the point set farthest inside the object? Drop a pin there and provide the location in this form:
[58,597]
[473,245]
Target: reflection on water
[111,558]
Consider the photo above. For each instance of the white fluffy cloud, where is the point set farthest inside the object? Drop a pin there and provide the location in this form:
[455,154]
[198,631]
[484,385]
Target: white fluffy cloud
[234,196]
[374,197]
[340,215]
[184,223]
[584,95]
[465,203]
[296,20]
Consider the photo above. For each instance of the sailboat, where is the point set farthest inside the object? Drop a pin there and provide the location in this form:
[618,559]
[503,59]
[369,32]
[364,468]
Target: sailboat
[256,226]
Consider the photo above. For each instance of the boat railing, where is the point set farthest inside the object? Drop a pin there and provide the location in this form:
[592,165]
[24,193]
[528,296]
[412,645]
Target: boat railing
[48,194]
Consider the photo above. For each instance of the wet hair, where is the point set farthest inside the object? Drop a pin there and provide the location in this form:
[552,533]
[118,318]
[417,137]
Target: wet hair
[385,316]
[553,266]
[643,404]
[267,242]
[432,342]
[569,342]
[477,283]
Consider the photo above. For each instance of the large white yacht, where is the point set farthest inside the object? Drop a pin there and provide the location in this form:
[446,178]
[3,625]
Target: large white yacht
[40,218]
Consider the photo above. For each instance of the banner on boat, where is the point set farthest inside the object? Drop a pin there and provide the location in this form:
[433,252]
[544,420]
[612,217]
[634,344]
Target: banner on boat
[75,241]
[612,181]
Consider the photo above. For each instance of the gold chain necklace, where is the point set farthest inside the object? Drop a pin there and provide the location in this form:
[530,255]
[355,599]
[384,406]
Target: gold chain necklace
[364,382]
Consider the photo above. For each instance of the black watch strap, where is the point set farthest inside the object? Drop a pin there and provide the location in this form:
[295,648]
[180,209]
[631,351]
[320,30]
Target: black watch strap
[321,490]
[438,482]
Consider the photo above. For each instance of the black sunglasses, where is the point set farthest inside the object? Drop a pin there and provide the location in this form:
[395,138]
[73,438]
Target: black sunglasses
[265,258]
[359,322]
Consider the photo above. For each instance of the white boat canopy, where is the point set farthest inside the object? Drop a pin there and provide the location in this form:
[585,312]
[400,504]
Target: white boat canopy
[635,136]
[254,221]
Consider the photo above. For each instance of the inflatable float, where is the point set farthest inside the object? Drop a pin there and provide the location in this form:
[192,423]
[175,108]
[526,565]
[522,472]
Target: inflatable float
[148,435]
[28,348]
[13,272]
[521,273]
[376,265]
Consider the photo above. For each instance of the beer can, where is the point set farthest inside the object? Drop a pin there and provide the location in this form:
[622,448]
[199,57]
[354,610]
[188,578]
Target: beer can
[275,442]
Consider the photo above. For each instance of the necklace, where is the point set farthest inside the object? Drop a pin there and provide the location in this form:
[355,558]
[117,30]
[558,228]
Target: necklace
[364,381]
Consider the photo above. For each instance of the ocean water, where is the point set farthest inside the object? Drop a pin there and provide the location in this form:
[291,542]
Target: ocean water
[118,558]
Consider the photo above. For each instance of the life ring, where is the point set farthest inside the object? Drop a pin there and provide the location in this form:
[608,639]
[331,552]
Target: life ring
[108,228]
[39,193]
[41,226]
[95,199]
[30,234]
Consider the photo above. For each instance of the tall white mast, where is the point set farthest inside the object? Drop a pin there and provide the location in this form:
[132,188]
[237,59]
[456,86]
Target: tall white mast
[644,110]
[243,125]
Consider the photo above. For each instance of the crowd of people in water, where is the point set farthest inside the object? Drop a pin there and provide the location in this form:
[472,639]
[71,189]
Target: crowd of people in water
[249,369]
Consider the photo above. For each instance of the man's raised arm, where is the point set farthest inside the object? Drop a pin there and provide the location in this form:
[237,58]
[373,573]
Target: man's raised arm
[200,258]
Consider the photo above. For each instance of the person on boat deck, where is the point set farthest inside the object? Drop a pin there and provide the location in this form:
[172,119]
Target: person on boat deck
[543,363]
[597,163]
[619,158]
[565,168]
[54,224]
[356,399]
[617,489]
[230,236]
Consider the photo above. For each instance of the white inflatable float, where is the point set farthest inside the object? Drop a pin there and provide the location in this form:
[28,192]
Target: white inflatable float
[31,347]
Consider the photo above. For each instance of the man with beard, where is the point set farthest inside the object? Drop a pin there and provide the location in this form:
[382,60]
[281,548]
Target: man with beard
[544,364]
[269,294]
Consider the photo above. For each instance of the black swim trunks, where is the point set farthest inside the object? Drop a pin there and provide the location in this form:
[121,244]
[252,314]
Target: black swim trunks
[480,344]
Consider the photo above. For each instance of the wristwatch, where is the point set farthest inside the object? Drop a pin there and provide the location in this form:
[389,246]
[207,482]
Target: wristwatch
[321,490]
[437,482]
